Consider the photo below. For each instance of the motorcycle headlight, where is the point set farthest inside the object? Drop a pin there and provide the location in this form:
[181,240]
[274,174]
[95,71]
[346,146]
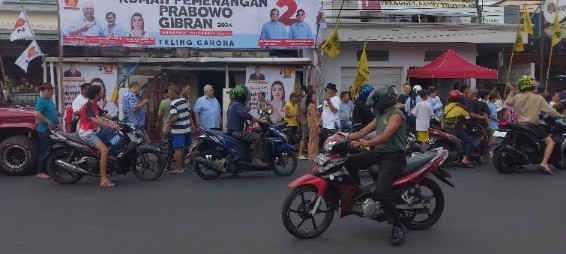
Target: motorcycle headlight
[328,146]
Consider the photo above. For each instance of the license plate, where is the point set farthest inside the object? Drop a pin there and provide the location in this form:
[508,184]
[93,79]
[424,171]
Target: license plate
[321,158]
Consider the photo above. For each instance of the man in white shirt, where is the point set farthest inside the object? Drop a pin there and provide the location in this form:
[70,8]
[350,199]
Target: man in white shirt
[77,105]
[330,115]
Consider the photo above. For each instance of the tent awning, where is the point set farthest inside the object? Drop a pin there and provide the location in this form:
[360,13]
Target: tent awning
[452,65]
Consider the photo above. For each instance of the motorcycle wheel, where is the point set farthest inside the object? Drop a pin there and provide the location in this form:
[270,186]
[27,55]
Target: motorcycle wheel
[284,164]
[59,174]
[148,165]
[500,161]
[560,165]
[203,171]
[296,213]
[428,192]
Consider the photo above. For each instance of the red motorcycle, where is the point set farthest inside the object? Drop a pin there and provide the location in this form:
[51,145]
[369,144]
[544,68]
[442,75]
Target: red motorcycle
[448,141]
[309,209]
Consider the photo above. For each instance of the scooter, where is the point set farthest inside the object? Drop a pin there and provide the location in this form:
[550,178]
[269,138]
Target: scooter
[442,138]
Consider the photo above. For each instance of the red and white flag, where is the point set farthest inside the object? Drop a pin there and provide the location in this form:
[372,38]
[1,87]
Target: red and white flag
[21,29]
[27,56]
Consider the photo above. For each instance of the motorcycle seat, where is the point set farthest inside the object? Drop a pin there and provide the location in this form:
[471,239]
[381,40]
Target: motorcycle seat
[413,163]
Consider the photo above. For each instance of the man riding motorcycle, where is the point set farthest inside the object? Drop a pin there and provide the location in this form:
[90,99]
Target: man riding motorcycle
[389,152]
[362,114]
[236,118]
[455,116]
[529,105]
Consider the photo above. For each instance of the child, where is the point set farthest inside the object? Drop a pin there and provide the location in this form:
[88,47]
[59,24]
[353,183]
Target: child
[423,111]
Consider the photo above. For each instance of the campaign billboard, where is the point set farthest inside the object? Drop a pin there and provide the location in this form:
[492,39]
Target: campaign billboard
[276,82]
[243,24]
[75,74]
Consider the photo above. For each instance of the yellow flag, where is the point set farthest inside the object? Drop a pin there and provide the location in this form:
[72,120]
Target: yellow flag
[362,75]
[556,31]
[527,25]
[519,47]
[332,45]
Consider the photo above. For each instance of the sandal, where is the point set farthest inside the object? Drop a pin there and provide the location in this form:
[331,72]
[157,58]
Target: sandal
[466,165]
[42,176]
[107,184]
[544,169]
[176,171]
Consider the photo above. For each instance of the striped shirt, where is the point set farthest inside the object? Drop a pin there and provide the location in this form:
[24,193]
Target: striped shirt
[180,108]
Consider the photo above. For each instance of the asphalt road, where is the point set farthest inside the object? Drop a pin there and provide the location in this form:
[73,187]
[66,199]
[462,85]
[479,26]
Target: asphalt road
[486,213]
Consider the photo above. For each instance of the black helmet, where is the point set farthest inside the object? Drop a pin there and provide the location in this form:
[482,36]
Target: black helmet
[382,97]
[241,93]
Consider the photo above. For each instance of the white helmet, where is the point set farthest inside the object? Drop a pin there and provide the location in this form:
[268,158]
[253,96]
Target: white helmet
[417,88]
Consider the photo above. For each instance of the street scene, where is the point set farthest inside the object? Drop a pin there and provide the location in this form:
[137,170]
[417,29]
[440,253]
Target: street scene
[487,212]
[308,126]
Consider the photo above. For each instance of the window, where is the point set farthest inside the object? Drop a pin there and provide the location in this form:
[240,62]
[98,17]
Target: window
[375,55]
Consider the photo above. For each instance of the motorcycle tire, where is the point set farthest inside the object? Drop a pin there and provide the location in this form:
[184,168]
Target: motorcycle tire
[560,165]
[281,165]
[301,214]
[59,174]
[433,217]
[203,171]
[148,165]
[500,162]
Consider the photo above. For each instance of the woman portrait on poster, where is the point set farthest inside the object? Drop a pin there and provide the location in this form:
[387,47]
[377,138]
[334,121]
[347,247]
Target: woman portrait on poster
[104,104]
[277,101]
[138,26]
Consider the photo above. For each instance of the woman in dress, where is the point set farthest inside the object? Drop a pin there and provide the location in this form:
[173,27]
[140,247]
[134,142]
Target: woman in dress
[313,116]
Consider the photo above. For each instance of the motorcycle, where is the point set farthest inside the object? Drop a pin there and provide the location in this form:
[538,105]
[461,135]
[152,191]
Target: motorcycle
[329,187]
[70,158]
[480,149]
[218,153]
[521,146]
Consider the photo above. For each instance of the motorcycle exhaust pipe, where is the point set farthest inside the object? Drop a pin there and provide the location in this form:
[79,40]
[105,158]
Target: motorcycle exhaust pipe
[211,164]
[72,168]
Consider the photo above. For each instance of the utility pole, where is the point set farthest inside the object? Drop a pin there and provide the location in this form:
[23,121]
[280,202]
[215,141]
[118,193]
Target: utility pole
[541,42]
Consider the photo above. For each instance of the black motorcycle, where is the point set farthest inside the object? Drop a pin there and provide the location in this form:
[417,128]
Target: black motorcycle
[521,146]
[71,158]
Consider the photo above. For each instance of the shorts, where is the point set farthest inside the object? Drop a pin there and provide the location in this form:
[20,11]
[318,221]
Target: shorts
[539,130]
[90,138]
[304,130]
[181,140]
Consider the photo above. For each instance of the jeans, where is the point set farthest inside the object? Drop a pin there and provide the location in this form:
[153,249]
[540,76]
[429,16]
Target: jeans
[45,142]
[390,166]
[345,125]
[467,141]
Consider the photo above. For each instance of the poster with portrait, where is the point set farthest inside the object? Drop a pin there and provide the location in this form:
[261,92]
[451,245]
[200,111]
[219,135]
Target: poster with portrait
[75,74]
[277,82]
[284,24]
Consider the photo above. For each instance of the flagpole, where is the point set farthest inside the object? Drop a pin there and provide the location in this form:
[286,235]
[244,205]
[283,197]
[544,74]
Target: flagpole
[548,70]
[509,71]
[4,77]
[60,65]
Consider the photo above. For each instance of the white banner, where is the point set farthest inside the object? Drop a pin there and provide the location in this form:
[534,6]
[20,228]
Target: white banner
[436,8]
[75,74]
[276,82]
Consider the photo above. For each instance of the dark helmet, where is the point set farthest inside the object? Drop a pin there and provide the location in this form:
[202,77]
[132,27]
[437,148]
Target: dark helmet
[364,92]
[241,93]
[382,97]
[454,96]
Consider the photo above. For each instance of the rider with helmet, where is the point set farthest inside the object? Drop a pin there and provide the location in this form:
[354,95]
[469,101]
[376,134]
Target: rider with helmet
[362,113]
[454,119]
[388,154]
[529,105]
[236,118]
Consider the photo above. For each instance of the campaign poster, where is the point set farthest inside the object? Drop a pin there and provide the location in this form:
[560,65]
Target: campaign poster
[437,8]
[243,24]
[277,82]
[75,74]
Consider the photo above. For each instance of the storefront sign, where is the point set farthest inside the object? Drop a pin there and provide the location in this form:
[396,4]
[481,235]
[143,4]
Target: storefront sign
[551,6]
[276,82]
[189,23]
[438,8]
[75,74]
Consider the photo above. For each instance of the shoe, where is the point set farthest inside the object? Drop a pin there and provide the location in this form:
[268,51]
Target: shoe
[302,157]
[544,169]
[258,162]
[397,235]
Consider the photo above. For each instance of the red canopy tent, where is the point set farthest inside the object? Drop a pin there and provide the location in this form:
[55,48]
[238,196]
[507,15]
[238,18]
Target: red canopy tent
[452,65]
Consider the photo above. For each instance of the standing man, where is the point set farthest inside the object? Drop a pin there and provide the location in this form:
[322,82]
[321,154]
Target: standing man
[274,29]
[185,92]
[47,120]
[164,117]
[180,124]
[207,111]
[291,113]
[402,99]
[77,105]
[132,107]
[345,112]
[300,30]
[87,25]
[330,108]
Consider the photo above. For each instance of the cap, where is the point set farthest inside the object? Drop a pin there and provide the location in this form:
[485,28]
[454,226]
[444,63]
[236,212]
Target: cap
[46,86]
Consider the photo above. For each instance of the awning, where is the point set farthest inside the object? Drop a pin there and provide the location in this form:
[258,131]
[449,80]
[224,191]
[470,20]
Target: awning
[452,65]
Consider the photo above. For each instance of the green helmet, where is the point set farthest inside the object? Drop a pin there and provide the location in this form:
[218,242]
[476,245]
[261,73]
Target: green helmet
[382,97]
[526,83]
[241,93]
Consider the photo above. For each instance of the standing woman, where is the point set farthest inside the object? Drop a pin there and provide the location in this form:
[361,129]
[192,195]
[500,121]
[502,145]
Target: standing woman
[137,25]
[313,117]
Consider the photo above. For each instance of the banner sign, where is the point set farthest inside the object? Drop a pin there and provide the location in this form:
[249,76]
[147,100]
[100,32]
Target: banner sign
[436,8]
[276,82]
[551,6]
[75,75]
[284,24]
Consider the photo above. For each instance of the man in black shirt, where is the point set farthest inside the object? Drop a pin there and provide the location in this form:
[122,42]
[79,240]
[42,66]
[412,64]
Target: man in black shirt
[478,109]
